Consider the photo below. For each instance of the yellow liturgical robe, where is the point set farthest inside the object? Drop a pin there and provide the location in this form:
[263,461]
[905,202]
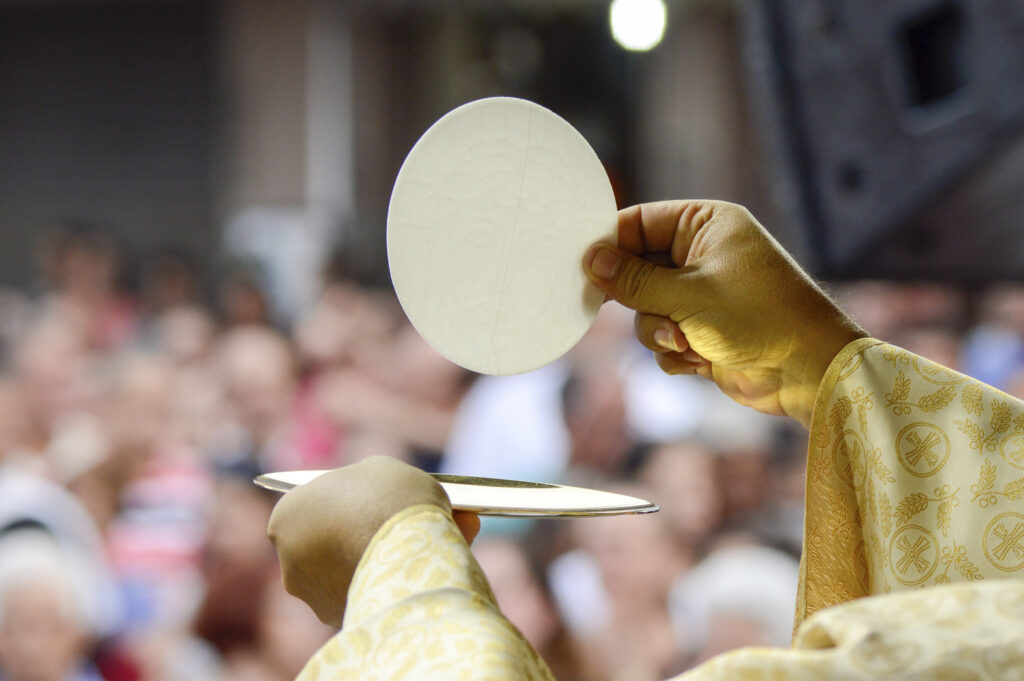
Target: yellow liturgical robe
[913,564]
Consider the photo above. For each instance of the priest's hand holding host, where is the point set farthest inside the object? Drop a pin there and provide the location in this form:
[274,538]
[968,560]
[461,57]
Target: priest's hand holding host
[727,303]
[891,436]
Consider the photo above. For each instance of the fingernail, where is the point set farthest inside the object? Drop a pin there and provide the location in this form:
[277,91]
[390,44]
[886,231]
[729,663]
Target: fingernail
[604,263]
[691,356]
[663,337]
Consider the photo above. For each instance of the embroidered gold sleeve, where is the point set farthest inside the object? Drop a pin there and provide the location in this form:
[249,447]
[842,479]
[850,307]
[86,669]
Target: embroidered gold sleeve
[915,481]
[914,477]
[419,608]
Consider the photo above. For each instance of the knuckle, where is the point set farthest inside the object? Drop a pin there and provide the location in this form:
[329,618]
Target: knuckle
[647,340]
[665,363]
[274,529]
[635,280]
[641,326]
[279,522]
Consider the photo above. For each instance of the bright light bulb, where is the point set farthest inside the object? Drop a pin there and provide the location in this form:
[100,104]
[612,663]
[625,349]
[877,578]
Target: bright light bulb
[637,24]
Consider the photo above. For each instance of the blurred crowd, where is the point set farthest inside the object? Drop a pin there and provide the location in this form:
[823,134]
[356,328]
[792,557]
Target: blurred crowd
[137,403]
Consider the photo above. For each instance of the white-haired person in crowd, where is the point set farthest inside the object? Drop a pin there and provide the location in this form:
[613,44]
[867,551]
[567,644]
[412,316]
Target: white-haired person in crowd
[57,595]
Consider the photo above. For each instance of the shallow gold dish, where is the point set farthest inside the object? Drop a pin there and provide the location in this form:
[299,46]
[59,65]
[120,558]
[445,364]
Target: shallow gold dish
[498,497]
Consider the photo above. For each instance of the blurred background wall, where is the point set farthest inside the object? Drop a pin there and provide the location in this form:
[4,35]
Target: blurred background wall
[108,114]
[236,128]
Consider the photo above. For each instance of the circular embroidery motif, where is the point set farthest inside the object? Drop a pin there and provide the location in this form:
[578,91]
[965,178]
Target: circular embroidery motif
[922,449]
[937,373]
[913,554]
[1012,450]
[846,448]
[1004,541]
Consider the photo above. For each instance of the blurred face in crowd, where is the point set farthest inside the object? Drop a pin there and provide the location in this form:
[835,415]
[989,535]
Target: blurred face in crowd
[727,632]
[744,472]
[595,416]
[935,343]
[141,415]
[419,371]
[289,632]
[169,280]
[15,422]
[185,333]
[86,268]
[50,368]
[684,481]
[242,302]
[874,304]
[1003,305]
[326,335]
[637,555]
[39,638]
[520,596]
[363,443]
[237,563]
[258,372]
[237,533]
[246,609]
[609,335]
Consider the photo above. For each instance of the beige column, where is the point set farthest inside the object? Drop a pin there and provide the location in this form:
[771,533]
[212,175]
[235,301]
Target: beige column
[287,173]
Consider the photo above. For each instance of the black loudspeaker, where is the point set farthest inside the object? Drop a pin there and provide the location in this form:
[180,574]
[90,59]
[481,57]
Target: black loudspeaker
[895,132]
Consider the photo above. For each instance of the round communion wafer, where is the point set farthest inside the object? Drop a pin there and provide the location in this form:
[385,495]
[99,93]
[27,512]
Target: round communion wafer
[488,223]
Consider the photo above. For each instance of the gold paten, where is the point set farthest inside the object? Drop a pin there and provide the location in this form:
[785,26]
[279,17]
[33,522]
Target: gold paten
[499,497]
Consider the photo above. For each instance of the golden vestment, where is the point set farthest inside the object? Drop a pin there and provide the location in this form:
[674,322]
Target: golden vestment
[915,497]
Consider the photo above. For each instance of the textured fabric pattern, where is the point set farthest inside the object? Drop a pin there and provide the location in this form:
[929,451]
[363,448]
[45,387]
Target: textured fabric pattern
[420,608]
[914,478]
[962,632]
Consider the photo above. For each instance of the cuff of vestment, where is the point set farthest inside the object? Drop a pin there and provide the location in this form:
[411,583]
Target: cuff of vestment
[412,514]
[833,375]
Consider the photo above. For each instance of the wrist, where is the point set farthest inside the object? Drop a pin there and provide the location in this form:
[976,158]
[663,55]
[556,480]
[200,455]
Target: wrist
[799,393]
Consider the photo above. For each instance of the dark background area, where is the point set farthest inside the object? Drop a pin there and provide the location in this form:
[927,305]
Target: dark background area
[877,139]
[107,114]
